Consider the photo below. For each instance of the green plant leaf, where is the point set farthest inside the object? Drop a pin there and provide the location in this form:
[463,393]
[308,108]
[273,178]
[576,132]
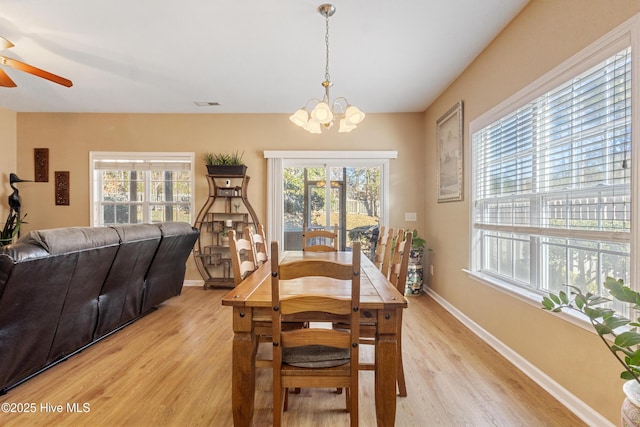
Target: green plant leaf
[555,298]
[564,297]
[614,321]
[619,291]
[595,313]
[596,300]
[627,339]
[547,304]
[625,350]
[602,329]
[626,375]
[634,360]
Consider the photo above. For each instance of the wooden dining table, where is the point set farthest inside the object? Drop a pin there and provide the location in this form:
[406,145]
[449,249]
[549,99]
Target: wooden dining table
[380,304]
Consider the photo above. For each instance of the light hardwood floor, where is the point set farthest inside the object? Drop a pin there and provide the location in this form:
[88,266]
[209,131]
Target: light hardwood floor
[173,368]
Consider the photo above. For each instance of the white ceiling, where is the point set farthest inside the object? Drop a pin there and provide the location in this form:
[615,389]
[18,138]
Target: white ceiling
[159,56]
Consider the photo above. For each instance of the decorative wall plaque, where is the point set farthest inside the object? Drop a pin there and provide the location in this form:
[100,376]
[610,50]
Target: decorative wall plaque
[62,188]
[41,164]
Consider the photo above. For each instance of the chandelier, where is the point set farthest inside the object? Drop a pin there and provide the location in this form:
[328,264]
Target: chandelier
[324,112]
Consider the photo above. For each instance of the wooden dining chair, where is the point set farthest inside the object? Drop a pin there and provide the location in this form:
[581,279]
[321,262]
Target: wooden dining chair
[390,249]
[319,240]
[398,269]
[243,261]
[398,277]
[380,245]
[258,241]
[382,257]
[315,357]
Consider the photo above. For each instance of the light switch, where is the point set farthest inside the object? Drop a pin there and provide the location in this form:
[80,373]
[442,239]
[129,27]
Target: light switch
[410,216]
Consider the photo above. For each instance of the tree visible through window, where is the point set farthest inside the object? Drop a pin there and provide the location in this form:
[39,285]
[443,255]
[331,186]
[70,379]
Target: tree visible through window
[131,188]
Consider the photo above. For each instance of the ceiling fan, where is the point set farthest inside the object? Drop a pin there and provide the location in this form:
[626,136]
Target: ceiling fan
[6,81]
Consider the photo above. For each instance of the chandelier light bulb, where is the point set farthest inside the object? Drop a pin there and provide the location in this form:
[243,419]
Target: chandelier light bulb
[345,126]
[354,115]
[300,117]
[322,113]
[312,126]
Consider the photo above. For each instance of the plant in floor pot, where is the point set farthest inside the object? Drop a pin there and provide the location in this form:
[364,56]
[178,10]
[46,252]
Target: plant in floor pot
[417,259]
[225,164]
[617,332]
[417,247]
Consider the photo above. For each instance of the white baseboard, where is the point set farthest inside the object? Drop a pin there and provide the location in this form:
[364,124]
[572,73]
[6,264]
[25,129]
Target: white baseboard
[575,405]
[193,283]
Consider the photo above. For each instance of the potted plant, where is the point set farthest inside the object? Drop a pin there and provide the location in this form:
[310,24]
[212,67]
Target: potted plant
[415,274]
[10,230]
[617,332]
[417,247]
[225,164]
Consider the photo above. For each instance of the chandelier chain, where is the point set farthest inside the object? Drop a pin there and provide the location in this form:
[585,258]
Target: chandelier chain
[327,77]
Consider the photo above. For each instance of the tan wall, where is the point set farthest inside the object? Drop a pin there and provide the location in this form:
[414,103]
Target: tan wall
[541,37]
[8,161]
[70,137]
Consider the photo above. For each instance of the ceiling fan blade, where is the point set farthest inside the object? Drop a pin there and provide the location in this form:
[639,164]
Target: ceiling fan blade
[5,44]
[35,71]
[5,80]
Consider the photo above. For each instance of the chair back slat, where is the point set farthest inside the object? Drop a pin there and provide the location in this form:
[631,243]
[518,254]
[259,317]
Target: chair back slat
[400,264]
[389,250]
[381,244]
[318,336]
[243,262]
[319,240]
[311,303]
[259,242]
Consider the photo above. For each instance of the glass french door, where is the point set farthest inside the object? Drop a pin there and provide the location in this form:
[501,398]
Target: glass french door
[325,200]
[323,196]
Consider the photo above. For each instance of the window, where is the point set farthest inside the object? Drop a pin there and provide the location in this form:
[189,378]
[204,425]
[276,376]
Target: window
[551,180]
[129,188]
[357,196]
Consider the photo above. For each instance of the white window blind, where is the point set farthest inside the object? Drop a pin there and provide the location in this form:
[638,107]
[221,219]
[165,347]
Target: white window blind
[552,196]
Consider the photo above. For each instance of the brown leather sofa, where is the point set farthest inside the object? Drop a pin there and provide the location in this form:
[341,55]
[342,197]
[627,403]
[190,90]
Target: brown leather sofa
[66,288]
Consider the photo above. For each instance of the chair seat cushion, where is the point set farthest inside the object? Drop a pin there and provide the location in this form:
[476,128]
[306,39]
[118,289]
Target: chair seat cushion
[315,356]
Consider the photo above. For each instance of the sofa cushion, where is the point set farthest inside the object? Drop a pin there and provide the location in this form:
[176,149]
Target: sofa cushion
[137,232]
[22,251]
[176,228]
[64,240]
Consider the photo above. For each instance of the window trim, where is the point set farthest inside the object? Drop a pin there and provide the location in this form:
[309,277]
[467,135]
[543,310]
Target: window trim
[626,34]
[277,160]
[94,205]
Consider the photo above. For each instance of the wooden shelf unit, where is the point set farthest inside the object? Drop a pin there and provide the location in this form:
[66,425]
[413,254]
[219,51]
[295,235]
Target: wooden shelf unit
[227,208]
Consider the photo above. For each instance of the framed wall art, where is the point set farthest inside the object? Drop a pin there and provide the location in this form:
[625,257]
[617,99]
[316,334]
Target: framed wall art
[41,164]
[62,188]
[449,141]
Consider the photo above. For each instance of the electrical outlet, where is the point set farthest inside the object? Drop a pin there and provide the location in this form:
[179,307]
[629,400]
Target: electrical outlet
[410,216]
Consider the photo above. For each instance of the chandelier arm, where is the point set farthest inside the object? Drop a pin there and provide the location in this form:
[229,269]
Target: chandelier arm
[343,108]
